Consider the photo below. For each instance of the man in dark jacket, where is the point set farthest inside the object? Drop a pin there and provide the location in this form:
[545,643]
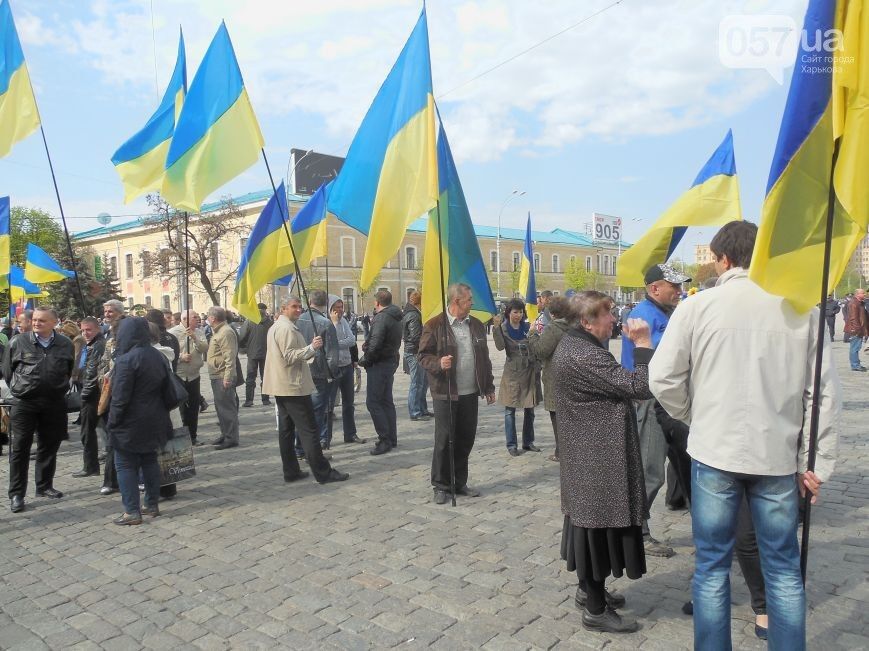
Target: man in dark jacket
[380,362]
[455,353]
[252,336]
[37,366]
[831,309]
[411,331]
[857,328]
[324,368]
[89,364]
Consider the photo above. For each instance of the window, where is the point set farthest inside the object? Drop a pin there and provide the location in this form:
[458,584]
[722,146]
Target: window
[537,263]
[493,260]
[572,259]
[516,261]
[614,265]
[148,301]
[130,303]
[167,305]
[555,263]
[128,264]
[410,257]
[588,263]
[242,245]
[113,266]
[146,263]
[598,263]
[347,294]
[606,265]
[348,252]
[214,257]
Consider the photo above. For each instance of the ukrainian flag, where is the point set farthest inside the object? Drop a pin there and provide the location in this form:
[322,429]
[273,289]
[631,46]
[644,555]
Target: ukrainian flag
[389,177]
[824,132]
[141,161]
[5,256]
[39,267]
[527,286]
[217,136]
[19,116]
[266,258]
[456,244]
[19,287]
[309,227]
[712,200]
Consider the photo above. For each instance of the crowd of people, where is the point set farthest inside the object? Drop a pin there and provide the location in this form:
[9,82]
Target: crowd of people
[715,383]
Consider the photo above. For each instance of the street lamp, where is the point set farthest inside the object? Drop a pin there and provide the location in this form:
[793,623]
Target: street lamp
[512,195]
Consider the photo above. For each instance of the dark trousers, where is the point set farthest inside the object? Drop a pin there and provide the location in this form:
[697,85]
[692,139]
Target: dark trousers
[344,383]
[381,376]
[296,415]
[26,419]
[254,366]
[190,409]
[831,325]
[90,445]
[464,418]
[110,475]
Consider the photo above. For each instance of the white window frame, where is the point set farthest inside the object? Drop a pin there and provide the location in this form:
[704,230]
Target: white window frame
[408,248]
[129,269]
[556,263]
[517,260]
[588,264]
[538,263]
[352,256]
[344,297]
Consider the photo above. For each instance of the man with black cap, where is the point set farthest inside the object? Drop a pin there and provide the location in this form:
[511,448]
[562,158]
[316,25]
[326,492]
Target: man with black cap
[663,291]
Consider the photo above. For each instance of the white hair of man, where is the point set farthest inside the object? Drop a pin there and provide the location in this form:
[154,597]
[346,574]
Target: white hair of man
[217,312]
[116,305]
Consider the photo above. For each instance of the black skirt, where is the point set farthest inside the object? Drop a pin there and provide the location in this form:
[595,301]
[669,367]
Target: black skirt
[599,553]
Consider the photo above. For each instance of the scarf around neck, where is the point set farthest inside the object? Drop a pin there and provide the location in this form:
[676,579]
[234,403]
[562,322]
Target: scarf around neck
[520,333]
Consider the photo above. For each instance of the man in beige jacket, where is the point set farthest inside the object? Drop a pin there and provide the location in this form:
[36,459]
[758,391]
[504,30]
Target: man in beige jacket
[288,378]
[221,360]
[194,346]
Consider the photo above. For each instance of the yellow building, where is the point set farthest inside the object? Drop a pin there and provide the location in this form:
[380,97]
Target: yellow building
[137,252]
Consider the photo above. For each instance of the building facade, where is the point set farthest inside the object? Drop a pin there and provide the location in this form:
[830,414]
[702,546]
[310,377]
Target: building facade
[136,251]
[703,254]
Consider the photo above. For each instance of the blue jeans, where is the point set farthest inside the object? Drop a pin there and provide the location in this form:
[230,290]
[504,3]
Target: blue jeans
[854,351]
[128,466]
[527,426]
[715,499]
[416,403]
[344,383]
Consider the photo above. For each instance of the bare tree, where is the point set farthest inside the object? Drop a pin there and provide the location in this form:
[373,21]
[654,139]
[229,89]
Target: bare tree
[206,233]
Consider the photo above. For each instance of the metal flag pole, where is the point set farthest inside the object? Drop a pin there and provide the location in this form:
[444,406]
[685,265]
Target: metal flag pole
[819,359]
[290,242]
[65,229]
[185,300]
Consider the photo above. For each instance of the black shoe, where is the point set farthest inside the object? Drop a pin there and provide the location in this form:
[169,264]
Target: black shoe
[151,511]
[355,439]
[267,403]
[688,608]
[380,448]
[126,518]
[429,414]
[86,473]
[50,492]
[197,443]
[203,404]
[217,441]
[609,621]
[531,448]
[514,452]
[441,497]
[324,446]
[421,417]
[302,474]
[467,491]
[613,600]
[225,446]
[334,476]
[16,504]
[247,403]
[300,454]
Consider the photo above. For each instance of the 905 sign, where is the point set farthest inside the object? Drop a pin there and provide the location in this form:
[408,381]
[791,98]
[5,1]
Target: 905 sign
[607,228]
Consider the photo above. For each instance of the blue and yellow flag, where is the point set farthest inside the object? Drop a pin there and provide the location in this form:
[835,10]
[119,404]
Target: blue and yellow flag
[5,255]
[527,286]
[390,176]
[19,116]
[712,200]
[266,257]
[309,227]
[39,267]
[141,161]
[19,287]
[217,136]
[456,244]
[827,102]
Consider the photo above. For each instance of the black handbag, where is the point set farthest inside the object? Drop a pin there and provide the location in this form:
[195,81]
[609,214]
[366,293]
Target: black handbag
[239,376]
[73,399]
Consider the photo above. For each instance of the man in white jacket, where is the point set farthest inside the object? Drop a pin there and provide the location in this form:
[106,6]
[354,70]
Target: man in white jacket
[737,364]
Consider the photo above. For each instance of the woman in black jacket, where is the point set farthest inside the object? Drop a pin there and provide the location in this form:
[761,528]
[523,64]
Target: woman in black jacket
[138,422]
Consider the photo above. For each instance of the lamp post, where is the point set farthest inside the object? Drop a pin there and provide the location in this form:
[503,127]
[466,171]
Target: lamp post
[512,195]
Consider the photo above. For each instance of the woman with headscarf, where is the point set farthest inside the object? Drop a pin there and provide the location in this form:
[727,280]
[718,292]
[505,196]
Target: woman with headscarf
[602,490]
[520,380]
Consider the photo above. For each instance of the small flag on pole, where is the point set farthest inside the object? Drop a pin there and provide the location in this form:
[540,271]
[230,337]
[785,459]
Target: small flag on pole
[527,286]
[39,267]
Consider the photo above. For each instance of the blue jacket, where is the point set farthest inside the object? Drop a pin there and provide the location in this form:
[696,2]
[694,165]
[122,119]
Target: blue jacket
[657,320]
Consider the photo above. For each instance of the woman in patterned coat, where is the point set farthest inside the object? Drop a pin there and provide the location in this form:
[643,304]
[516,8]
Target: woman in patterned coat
[602,489]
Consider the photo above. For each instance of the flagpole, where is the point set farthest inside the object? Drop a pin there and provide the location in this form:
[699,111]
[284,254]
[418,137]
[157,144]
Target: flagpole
[290,242]
[819,359]
[185,300]
[63,219]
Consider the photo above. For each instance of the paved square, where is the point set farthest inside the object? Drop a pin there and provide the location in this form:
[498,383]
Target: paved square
[241,560]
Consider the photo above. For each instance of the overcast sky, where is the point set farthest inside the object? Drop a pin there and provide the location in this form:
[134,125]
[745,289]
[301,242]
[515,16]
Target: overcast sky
[616,115]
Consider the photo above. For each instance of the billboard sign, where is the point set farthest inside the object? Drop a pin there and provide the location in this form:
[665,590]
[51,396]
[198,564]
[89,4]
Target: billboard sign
[607,228]
[310,170]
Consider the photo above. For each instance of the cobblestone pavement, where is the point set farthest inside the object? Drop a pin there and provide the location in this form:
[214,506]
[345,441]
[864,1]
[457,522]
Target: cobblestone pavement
[241,560]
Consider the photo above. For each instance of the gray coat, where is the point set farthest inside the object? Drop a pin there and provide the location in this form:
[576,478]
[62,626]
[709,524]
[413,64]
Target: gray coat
[520,381]
[602,483]
[252,336]
[325,364]
[542,347]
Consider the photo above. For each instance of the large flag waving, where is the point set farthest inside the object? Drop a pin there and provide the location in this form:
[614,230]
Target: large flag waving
[822,107]
[712,200]
[19,287]
[5,254]
[527,286]
[141,161]
[390,176]
[457,245]
[19,116]
[309,228]
[39,267]
[266,258]
[217,136]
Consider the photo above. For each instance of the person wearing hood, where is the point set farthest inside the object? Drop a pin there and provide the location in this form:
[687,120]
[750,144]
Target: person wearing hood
[345,379]
[138,423]
[324,367]
[411,330]
[167,339]
[380,361]
[252,336]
